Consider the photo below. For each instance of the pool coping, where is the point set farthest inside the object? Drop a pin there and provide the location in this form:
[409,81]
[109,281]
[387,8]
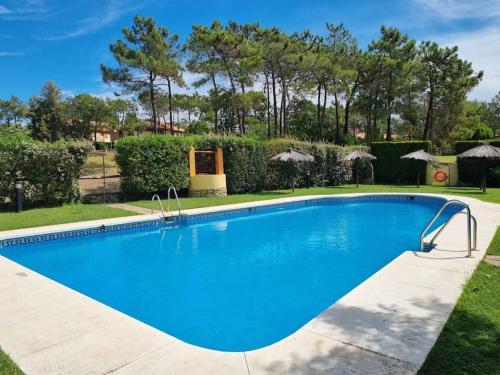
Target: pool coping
[387,324]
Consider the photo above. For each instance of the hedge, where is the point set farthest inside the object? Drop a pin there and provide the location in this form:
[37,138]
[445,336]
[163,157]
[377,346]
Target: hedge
[327,169]
[470,171]
[152,164]
[390,168]
[50,170]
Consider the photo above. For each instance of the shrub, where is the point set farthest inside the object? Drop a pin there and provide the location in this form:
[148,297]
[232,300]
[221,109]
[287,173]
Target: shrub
[152,164]
[327,169]
[145,170]
[470,171]
[50,170]
[389,167]
[244,161]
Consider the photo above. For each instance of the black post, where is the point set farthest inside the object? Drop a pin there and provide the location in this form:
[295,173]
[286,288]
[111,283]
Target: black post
[19,196]
[293,177]
[308,179]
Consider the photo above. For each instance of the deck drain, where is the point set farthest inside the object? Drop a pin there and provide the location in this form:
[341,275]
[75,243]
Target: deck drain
[21,274]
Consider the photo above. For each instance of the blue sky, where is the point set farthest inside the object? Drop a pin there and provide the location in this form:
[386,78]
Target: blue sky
[65,41]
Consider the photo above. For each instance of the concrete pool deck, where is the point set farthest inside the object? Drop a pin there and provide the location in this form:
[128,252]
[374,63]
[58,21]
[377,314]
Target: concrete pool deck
[387,324]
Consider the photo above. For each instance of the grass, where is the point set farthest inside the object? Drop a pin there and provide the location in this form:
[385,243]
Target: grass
[470,340]
[93,165]
[58,215]
[7,367]
[491,195]
[447,158]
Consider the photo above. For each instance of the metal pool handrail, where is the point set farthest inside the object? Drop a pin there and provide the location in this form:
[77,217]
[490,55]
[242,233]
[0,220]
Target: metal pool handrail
[157,197]
[436,216]
[176,198]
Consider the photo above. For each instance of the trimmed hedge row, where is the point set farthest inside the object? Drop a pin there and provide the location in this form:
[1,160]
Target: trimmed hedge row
[390,168]
[470,171]
[326,170]
[50,170]
[152,164]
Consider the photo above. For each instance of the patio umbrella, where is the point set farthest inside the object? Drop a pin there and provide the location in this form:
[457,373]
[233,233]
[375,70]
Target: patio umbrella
[419,155]
[484,153]
[292,156]
[356,156]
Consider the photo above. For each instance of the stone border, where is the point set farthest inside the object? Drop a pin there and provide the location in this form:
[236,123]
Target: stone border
[387,324]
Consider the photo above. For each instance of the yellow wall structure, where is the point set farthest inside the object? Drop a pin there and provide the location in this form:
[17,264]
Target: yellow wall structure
[442,173]
[207,185]
[203,185]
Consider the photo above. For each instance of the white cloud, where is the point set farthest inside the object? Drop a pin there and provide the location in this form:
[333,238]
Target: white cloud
[113,12]
[460,9]
[25,10]
[481,47]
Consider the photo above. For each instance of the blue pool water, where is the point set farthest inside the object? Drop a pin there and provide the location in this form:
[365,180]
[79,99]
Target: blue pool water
[239,282]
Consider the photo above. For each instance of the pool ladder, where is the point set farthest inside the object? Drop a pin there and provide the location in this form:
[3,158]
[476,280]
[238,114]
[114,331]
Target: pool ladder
[471,223]
[157,197]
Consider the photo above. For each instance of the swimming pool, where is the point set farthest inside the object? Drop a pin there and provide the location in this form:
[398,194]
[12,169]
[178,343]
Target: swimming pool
[237,280]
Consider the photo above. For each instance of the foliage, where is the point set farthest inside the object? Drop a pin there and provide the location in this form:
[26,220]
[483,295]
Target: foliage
[51,170]
[471,171]
[141,161]
[326,170]
[152,164]
[147,56]
[198,127]
[48,114]
[389,167]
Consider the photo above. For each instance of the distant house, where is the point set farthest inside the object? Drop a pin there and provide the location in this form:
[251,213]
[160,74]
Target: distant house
[111,136]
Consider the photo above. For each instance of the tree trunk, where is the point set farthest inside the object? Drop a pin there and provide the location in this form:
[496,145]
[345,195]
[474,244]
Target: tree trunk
[318,110]
[170,107]
[275,104]
[243,112]
[268,108]
[323,111]
[388,136]
[346,117]
[153,104]
[216,111]
[337,120]
[428,117]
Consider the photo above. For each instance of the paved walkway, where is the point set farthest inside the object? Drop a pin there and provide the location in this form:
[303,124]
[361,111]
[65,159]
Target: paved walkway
[128,207]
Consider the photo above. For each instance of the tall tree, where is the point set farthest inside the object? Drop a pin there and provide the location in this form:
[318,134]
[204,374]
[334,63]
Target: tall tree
[145,58]
[395,52]
[48,114]
[447,80]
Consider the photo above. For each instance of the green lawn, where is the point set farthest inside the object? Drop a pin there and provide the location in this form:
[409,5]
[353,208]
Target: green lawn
[447,158]
[7,367]
[470,340]
[491,195]
[58,215]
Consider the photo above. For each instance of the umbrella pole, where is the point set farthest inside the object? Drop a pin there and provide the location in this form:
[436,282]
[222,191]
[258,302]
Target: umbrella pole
[418,176]
[293,177]
[483,181]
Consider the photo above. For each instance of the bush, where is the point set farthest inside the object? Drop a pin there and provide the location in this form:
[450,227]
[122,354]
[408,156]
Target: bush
[390,168]
[470,171]
[152,164]
[327,169]
[50,170]
[244,161]
[144,170]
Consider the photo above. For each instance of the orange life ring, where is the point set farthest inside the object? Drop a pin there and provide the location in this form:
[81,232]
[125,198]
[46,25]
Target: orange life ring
[440,176]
